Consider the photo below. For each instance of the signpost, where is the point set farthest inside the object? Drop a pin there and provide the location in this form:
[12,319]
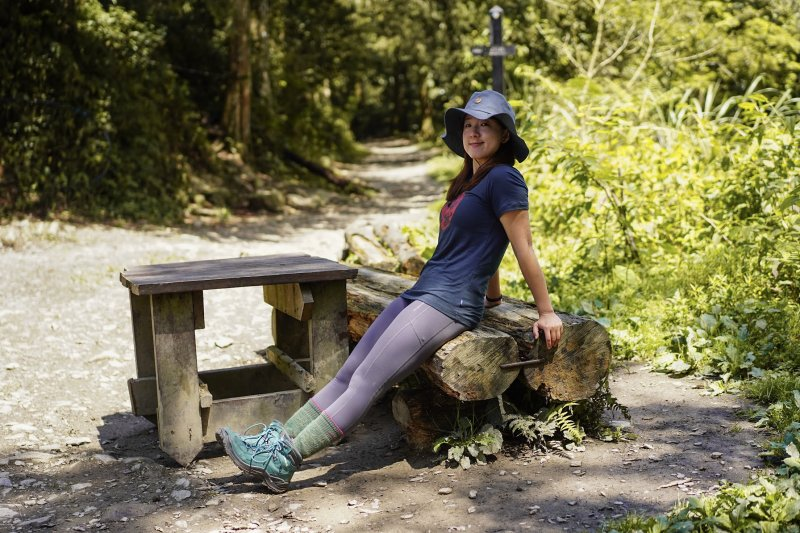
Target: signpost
[497,50]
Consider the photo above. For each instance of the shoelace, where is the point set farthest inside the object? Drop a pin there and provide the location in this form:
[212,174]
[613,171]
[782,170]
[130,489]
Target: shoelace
[264,435]
[271,447]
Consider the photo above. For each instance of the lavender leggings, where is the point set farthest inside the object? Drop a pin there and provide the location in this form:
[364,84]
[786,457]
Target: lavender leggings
[403,336]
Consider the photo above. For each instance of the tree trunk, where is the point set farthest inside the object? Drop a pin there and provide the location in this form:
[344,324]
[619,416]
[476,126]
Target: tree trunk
[363,244]
[571,371]
[467,367]
[236,115]
[427,414]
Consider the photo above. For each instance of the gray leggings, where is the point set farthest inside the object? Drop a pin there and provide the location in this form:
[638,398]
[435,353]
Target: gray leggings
[403,336]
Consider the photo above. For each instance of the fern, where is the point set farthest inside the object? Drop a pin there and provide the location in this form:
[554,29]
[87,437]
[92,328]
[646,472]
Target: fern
[546,423]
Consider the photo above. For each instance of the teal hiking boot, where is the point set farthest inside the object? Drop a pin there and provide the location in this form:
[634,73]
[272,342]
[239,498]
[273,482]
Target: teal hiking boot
[274,459]
[273,430]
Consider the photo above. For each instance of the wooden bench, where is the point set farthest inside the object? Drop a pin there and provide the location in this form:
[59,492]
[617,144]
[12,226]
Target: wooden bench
[309,325]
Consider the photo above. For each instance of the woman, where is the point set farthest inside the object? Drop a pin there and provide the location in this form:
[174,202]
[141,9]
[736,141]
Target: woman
[486,208]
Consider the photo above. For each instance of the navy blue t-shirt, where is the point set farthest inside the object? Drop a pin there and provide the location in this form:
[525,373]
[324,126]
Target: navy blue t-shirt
[471,245]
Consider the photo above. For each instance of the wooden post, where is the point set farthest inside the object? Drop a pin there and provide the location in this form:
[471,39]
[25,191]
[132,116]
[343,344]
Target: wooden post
[329,339]
[142,323]
[180,430]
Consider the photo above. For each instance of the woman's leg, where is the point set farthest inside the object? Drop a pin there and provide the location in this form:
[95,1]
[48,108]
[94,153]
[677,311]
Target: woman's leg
[336,387]
[415,334]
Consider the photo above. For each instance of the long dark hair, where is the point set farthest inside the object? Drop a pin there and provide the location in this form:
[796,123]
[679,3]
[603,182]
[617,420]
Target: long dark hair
[465,181]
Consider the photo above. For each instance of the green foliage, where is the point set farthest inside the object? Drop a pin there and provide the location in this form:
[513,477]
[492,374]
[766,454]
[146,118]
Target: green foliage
[466,444]
[770,504]
[82,127]
[538,429]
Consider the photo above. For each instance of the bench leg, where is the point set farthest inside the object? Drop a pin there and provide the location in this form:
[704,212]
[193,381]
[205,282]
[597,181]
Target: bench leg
[180,429]
[142,323]
[329,340]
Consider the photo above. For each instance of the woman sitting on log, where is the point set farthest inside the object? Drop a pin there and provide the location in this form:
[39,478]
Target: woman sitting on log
[486,208]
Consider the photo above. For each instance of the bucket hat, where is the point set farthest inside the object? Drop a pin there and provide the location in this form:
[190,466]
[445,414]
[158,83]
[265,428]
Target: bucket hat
[481,105]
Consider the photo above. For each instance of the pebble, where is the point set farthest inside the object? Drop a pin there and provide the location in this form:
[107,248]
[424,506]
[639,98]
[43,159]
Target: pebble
[182,483]
[42,521]
[104,458]
[473,494]
[6,513]
[77,441]
[5,482]
[80,486]
[321,483]
[445,490]
[471,509]
[406,516]
[180,495]
[716,455]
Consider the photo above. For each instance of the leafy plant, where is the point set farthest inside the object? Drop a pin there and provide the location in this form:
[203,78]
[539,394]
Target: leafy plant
[546,423]
[466,444]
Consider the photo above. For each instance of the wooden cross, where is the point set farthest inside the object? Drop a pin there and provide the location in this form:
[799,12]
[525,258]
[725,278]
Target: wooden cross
[497,50]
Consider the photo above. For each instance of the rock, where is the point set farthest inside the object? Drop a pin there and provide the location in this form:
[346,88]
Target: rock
[716,455]
[183,524]
[270,200]
[304,202]
[183,483]
[5,482]
[77,441]
[180,495]
[104,458]
[122,512]
[42,521]
[406,516]
[473,494]
[471,509]
[6,513]
[445,490]
[33,457]
[79,486]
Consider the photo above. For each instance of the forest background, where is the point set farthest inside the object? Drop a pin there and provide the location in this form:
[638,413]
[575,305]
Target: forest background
[664,170]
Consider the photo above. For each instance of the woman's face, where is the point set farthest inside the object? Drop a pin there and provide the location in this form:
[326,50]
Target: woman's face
[482,138]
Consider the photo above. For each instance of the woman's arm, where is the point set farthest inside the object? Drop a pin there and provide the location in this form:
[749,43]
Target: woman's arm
[518,229]
[493,295]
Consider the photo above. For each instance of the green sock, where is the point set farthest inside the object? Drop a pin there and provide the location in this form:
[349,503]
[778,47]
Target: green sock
[318,435]
[301,418]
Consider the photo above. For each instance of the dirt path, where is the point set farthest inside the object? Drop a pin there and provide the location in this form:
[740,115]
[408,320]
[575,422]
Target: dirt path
[73,458]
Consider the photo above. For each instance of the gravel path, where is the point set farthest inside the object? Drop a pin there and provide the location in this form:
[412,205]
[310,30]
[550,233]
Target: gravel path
[73,457]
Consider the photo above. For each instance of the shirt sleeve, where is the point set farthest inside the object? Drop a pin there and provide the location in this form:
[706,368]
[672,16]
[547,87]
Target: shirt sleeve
[509,191]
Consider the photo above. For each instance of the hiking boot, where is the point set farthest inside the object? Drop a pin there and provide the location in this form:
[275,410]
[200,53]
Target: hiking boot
[273,430]
[274,459]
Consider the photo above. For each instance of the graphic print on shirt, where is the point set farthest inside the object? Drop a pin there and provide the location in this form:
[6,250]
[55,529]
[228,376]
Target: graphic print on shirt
[449,209]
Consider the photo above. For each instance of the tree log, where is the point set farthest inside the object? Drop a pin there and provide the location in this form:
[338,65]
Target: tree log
[427,414]
[364,245]
[392,237]
[571,371]
[467,367]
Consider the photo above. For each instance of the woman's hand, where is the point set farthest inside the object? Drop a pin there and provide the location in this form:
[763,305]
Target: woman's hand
[551,326]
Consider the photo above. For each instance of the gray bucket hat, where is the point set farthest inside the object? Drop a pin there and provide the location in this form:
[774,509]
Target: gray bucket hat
[483,104]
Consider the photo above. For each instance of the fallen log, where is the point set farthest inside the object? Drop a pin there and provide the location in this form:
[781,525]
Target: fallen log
[392,237]
[571,371]
[466,368]
[364,245]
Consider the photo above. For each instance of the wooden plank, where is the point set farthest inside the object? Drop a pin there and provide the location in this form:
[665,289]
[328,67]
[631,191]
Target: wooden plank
[198,311]
[223,383]
[293,299]
[142,323]
[180,429]
[234,272]
[329,339]
[292,336]
[287,365]
[239,413]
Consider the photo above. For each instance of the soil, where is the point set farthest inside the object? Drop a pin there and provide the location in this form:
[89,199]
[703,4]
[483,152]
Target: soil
[74,458]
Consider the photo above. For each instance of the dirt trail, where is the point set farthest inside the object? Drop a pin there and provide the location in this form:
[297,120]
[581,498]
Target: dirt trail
[73,457]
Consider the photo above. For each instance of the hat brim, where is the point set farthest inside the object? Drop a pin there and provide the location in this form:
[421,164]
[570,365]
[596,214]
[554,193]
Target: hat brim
[454,124]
